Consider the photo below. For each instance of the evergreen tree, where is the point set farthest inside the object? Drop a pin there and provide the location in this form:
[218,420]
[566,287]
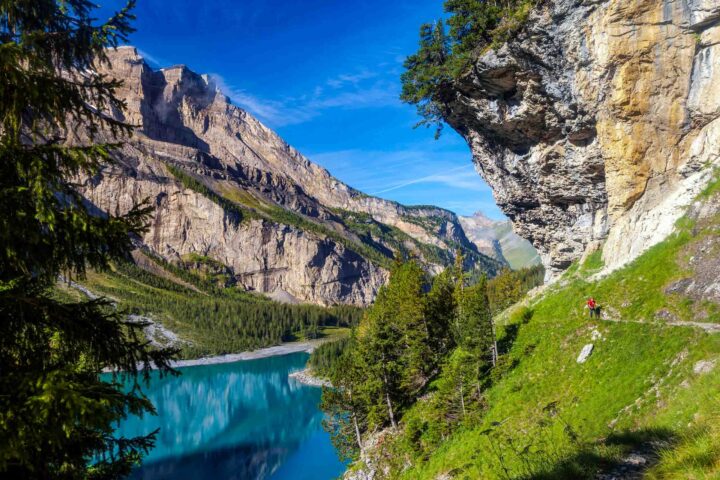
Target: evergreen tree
[440,311]
[56,416]
[457,396]
[426,75]
[474,25]
[471,22]
[345,407]
[410,343]
[405,298]
[379,356]
[477,333]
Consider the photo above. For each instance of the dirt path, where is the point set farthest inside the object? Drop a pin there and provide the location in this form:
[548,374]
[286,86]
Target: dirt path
[707,327]
[634,464]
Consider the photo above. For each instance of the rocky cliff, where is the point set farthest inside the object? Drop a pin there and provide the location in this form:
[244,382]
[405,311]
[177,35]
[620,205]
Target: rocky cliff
[597,123]
[229,191]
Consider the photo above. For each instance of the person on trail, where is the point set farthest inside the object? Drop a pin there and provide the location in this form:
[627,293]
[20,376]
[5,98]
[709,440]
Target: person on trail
[592,306]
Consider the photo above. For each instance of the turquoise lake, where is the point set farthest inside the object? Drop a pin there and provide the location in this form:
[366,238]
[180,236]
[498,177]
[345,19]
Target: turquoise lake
[242,420]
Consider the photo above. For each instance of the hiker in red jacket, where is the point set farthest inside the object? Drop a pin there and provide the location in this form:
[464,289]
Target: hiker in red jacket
[593,307]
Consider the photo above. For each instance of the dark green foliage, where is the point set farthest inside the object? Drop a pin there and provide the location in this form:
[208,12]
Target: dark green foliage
[416,339]
[56,417]
[511,285]
[474,25]
[216,320]
[441,306]
[325,358]
[426,75]
[346,403]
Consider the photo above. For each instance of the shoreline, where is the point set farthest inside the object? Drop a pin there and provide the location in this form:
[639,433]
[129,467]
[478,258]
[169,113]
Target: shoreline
[274,351]
[306,377]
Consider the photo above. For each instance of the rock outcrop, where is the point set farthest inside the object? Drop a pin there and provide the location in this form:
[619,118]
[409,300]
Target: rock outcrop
[228,189]
[598,123]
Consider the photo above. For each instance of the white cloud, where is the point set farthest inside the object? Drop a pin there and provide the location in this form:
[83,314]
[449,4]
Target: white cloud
[362,89]
[275,113]
[350,78]
[463,177]
[380,172]
[152,60]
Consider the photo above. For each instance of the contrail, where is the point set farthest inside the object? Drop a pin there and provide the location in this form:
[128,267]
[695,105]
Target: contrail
[434,176]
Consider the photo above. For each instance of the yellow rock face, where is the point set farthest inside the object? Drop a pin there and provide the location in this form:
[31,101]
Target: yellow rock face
[643,45]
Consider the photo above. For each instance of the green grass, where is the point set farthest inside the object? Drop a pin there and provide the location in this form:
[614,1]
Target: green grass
[549,417]
[325,334]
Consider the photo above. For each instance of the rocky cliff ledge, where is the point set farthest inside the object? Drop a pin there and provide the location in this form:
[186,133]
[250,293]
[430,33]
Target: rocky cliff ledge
[229,192]
[597,123]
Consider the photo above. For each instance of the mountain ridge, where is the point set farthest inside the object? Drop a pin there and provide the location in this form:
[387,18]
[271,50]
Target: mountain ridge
[497,239]
[226,187]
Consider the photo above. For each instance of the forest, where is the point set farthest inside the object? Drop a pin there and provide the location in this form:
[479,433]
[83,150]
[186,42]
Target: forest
[209,318]
[421,336]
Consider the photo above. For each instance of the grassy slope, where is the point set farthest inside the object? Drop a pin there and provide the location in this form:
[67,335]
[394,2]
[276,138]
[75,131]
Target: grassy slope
[550,417]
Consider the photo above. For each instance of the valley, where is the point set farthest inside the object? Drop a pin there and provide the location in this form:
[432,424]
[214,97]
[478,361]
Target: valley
[510,274]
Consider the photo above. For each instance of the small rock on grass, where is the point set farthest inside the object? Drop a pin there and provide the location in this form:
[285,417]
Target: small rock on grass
[585,353]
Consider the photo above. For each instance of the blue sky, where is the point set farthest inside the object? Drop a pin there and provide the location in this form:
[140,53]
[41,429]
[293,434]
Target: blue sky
[325,76]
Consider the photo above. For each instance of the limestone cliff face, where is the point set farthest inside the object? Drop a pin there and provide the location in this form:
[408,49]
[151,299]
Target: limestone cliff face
[597,123]
[302,233]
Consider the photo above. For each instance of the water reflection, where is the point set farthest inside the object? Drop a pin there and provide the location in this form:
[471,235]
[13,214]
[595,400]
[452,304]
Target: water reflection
[236,421]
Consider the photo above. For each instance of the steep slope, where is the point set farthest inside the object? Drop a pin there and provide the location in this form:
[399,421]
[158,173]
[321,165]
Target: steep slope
[227,188]
[644,404]
[498,240]
[596,123]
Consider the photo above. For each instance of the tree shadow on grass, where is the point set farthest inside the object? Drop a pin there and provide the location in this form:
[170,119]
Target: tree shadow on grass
[626,455]
[505,343]
[511,331]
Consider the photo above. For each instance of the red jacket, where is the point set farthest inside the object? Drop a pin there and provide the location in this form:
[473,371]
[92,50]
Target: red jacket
[591,303]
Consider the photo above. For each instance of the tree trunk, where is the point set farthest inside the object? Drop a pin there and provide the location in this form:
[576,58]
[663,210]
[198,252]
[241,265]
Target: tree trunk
[358,437]
[390,410]
[494,346]
[462,399]
[387,394]
[357,433]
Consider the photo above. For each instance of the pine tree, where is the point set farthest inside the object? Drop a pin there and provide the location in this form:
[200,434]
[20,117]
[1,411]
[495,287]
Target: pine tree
[405,297]
[475,329]
[344,405]
[56,415]
[440,312]
[426,75]
[379,356]
[471,22]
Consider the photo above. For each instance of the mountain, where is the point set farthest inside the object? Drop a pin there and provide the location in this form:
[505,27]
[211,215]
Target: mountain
[597,123]
[229,193]
[496,239]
